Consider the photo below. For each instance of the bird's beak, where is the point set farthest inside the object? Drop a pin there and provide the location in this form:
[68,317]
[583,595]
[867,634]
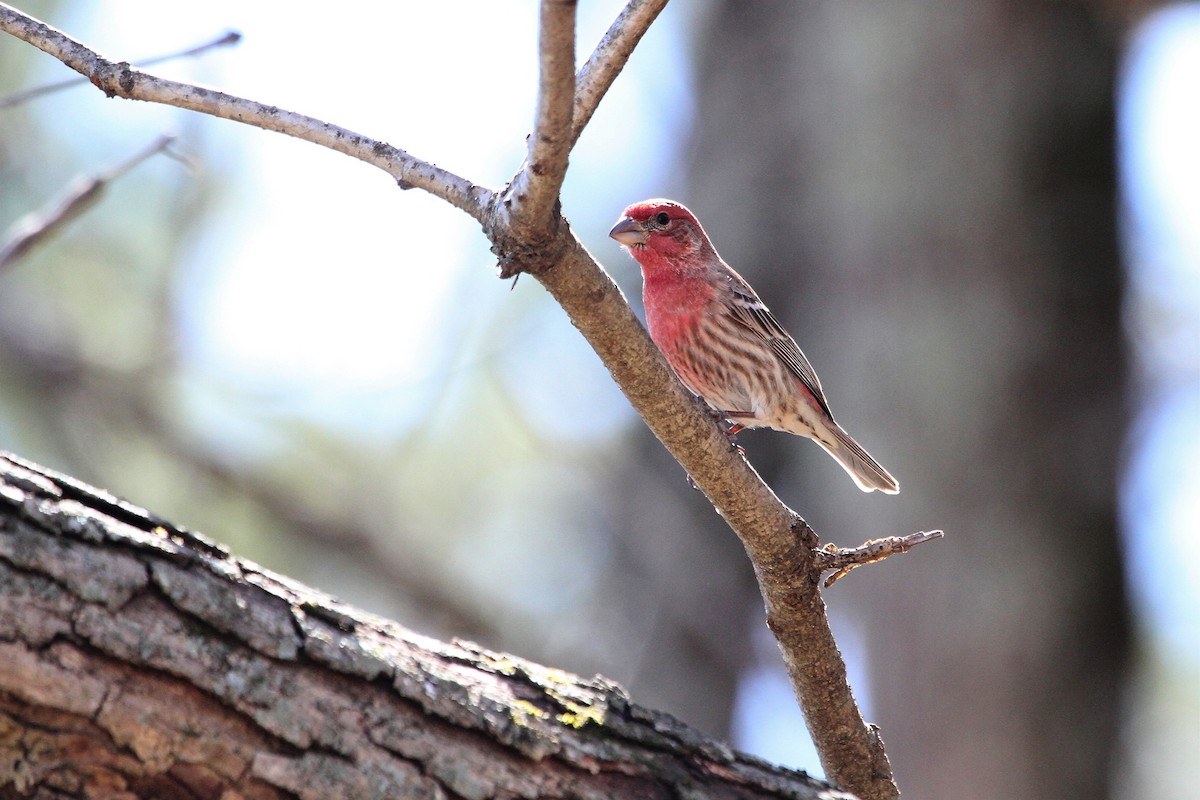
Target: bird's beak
[628,232]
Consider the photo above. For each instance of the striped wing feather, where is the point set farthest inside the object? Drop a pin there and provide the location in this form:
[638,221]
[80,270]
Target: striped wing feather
[753,314]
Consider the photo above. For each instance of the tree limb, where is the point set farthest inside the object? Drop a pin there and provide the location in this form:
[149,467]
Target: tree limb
[119,79]
[227,39]
[608,59]
[533,192]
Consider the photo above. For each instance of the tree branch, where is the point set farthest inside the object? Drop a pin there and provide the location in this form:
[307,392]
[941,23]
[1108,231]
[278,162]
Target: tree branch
[608,59]
[844,559]
[781,546]
[83,192]
[225,40]
[533,192]
[119,79]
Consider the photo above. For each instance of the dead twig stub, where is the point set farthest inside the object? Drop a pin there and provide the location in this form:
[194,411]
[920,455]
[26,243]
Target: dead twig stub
[844,559]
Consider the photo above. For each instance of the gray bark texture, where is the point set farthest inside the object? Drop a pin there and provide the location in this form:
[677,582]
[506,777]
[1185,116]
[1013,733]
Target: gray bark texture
[138,659]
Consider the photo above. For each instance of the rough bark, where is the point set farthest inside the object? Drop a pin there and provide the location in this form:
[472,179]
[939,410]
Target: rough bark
[138,659]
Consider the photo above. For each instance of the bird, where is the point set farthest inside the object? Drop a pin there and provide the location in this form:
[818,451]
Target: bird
[723,342]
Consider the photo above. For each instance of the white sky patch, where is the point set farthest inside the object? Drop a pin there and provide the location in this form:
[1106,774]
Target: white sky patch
[1160,158]
[1161,130]
[338,280]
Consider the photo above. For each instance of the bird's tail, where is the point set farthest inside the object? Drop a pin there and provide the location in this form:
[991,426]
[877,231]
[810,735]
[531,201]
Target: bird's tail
[865,471]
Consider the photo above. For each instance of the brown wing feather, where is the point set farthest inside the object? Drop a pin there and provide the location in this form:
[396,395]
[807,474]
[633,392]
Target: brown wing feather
[753,314]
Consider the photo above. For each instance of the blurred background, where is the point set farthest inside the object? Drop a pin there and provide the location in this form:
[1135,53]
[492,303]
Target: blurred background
[981,221]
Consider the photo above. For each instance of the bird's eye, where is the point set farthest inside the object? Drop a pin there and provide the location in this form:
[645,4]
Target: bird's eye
[662,218]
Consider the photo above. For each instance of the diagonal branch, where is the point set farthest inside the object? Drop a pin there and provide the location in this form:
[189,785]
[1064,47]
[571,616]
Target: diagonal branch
[119,79]
[534,190]
[84,192]
[138,654]
[780,544]
[225,40]
[609,57]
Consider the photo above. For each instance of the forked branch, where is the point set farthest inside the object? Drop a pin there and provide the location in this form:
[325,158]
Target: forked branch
[534,189]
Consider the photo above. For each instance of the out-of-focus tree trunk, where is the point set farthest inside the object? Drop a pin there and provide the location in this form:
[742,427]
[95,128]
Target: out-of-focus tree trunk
[925,194]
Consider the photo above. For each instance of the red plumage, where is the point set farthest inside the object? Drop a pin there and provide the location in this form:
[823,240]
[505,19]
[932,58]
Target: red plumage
[724,343]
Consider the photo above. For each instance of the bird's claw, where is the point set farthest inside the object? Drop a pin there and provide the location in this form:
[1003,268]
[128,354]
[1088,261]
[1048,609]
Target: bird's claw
[730,432]
[728,427]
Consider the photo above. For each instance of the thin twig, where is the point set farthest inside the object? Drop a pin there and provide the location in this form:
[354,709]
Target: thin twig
[119,79]
[535,187]
[227,39]
[608,59]
[81,195]
[844,559]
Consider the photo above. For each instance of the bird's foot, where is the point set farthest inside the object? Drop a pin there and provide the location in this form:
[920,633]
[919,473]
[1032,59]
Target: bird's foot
[731,429]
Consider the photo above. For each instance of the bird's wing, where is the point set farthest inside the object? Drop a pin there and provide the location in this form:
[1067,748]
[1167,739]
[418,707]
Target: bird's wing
[753,314]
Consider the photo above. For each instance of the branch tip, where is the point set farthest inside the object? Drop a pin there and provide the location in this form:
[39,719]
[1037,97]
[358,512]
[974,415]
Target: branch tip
[78,197]
[845,559]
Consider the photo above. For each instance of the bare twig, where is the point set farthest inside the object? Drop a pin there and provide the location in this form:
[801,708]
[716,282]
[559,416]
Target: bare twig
[844,559]
[119,79]
[608,59]
[534,189]
[83,193]
[227,39]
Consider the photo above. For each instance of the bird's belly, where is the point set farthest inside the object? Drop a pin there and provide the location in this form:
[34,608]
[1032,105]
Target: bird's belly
[723,386]
[757,393]
[765,397]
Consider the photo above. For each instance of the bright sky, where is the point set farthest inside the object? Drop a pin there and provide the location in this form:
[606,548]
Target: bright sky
[1160,137]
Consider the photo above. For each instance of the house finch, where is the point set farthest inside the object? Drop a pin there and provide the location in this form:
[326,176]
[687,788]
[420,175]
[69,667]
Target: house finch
[725,344]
